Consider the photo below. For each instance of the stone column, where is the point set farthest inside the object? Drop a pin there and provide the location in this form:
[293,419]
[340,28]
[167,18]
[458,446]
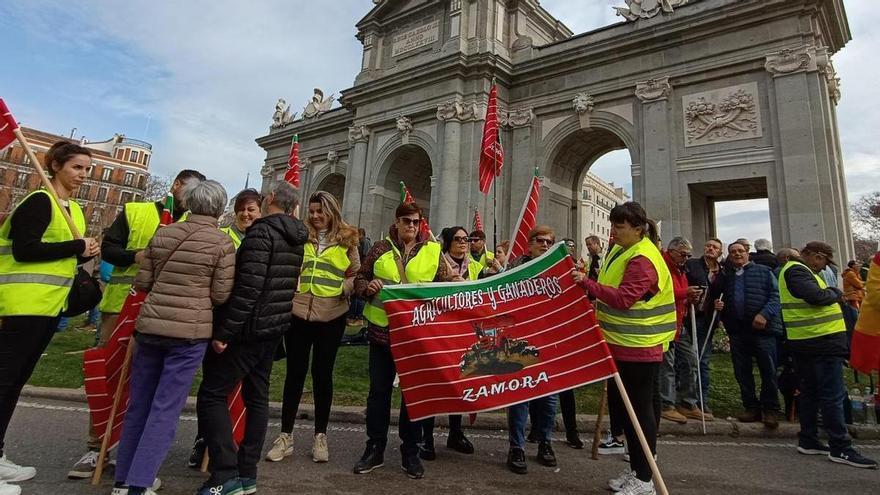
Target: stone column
[660,196]
[355,188]
[446,198]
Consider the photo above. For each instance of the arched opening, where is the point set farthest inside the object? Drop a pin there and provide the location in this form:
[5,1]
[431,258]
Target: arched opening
[412,165]
[333,184]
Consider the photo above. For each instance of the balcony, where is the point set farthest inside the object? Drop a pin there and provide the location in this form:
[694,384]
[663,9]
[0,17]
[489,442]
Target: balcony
[136,142]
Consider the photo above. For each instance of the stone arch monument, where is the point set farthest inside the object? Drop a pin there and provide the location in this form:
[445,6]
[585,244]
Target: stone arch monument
[714,100]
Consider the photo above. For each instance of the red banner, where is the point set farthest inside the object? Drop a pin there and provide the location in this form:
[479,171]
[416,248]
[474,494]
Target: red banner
[476,346]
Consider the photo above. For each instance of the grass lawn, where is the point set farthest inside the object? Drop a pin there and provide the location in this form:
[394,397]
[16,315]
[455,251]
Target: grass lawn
[62,367]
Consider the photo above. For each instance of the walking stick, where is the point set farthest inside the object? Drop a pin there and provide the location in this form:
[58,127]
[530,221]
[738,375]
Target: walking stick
[108,432]
[643,442]
[598,431]
[709,332]
[699,374]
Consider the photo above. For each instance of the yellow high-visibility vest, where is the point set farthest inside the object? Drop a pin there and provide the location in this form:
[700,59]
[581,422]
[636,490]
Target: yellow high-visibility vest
[646,323]
[323,274]
[804,320]
[422,268]
[38,288]
[236,240]
[486,258]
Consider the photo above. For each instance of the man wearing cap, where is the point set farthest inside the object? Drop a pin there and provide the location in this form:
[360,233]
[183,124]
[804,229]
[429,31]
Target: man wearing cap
[817,338]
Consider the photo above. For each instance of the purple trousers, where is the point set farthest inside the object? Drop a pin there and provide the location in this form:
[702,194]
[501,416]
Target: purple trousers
[160,381]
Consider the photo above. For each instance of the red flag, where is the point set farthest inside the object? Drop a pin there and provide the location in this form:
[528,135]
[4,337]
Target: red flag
[8,125]
[528,218]
[865,353]
[478,222]
[167,217]
[237,413]
[292,174]
[491,156]
[406,197]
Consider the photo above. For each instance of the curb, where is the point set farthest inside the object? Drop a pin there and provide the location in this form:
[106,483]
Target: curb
[498,421]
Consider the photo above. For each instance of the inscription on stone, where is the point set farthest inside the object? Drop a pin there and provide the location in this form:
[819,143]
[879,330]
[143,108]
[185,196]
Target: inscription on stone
[415,38]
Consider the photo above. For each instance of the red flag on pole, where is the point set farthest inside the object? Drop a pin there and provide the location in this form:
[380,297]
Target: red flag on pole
[478,222]
[167,217]
[528,218]
[406,197]
[491,156]
[292,175]
[8,125]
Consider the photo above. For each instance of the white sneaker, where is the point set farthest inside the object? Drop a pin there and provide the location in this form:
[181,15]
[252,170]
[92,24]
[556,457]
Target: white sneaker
[281,448]
[635,486]
[10,471]
[617,484]
[320,453]
[7,489]
[84,467]
[123,490]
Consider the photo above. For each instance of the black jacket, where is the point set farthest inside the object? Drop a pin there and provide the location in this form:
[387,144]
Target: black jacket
[116,238]
[267,267]
[766,258]
[803,285]
[697,272]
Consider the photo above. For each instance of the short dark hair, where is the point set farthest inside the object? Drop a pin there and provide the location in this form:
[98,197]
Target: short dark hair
[479,234]
[407,209]
[448,235]
[244,197]
[630,212]
[715,239]
[61,152]
[737,244]
[851,263]
[189,174]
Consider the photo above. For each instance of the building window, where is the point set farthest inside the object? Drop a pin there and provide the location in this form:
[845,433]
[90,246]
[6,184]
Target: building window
[102,195]
[138,198]
[134,156]
[21,180]
[83,192]
[146,160]
[119,152]
[142,180]
[125,197]
[105,175]
[129,179]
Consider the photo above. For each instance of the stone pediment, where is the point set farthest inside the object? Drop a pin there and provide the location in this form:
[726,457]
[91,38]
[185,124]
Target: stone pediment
[388,9]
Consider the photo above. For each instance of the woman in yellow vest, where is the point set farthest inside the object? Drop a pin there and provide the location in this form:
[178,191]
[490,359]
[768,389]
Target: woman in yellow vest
[38,259]
[320,305]
[464,267]
[420,261]
[635,305]
[246,209]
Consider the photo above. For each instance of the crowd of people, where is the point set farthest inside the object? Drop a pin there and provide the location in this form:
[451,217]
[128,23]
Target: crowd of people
[233,300]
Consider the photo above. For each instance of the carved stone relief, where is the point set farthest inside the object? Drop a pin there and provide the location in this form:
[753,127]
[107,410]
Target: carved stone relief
[282,115]
[791,61]
[584,104]
[358,134]
[457,110]
[318,105]
[519,117]
[654,89]
[404,128]
[646,9]
[833,83]
[722,115]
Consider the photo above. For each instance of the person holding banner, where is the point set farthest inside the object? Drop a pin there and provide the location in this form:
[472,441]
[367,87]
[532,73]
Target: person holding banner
[464,267]
[123,247]
[319,312]
[402,257]
[635,306]
[543,409]
[187,269]
[38,260]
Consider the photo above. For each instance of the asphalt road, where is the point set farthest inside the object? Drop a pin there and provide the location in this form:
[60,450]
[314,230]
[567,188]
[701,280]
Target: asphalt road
[51,436]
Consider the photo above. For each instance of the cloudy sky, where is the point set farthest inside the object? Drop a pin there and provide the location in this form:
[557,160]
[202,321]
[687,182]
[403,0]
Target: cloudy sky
[199,79]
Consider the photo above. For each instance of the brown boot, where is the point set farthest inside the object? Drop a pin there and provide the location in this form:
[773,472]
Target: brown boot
[771,419]
[749,416]
[692,413]
[670,414]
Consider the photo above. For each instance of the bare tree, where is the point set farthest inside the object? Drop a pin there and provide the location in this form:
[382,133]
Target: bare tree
[157,187]
[865,248]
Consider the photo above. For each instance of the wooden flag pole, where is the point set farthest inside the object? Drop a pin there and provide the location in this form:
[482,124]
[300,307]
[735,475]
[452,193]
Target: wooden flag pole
[108,432]
[47,183]
[597,433]
[658,478]
[205,461]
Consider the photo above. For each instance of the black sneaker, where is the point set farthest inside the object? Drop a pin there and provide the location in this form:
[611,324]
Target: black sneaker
[459,443]
[373,458]
[611,446]
[546,456]
[197,454]
[852,458]
[413,466]
[426,449]
[516,460]
[574,440]
[814,447]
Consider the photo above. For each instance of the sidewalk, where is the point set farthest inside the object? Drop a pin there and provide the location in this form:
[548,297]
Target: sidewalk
[498,421]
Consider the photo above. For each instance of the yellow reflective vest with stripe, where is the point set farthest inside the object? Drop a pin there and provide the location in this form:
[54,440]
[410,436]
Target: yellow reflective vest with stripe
[646,323]
[233,234]
[323,274]
[420,269]
[802,319]
[486,258]
[38,288]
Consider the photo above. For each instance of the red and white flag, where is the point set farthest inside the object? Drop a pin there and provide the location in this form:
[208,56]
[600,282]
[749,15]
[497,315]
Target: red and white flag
[406,197]
[528,219]
[478,222]
[292,174]
[492,155]
[467,347]
[8,125]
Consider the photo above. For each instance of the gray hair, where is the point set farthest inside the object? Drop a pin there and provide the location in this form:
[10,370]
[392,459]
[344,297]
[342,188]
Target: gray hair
[205,198]
[285,197]
[763,244]
[680,243]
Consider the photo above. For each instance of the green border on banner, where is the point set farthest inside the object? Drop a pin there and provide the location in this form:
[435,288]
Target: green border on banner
[404,292]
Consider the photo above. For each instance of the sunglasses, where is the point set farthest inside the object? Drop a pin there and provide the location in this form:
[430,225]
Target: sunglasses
[682,253]
[474,239]
[460,238]
[410,221]
[542,240]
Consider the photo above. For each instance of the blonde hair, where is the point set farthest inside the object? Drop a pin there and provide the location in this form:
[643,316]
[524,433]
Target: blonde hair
[338,231]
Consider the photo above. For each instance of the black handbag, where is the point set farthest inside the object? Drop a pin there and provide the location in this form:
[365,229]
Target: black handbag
[85,294]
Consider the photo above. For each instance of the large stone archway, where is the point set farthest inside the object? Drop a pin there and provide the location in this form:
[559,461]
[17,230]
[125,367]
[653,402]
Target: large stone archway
[334,184]
[407,163]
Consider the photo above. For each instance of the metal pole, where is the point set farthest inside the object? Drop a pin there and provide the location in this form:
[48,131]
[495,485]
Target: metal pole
[699,374]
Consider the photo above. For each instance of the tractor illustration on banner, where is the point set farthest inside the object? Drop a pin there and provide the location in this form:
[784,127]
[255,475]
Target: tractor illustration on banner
[494,353]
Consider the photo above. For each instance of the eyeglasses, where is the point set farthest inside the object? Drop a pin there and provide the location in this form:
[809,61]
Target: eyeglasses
[681,253]
[460,238]
[542,240]
[410,221]
[474,239]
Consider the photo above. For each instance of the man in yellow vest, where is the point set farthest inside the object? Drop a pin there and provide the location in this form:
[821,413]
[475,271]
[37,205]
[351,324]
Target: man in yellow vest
[817,338]
[482,255]
[123,247]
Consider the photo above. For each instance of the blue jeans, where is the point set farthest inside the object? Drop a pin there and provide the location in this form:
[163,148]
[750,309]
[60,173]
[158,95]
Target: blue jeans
[518,415]
[94,316]
[356,308]
[822,388]
[745,346]
[677,379]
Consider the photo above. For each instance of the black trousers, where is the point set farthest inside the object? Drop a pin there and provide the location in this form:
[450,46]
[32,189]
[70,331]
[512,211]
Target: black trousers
[22,341]
[427,426]
[251,364]
[640,381]
[567,406]
[382,373]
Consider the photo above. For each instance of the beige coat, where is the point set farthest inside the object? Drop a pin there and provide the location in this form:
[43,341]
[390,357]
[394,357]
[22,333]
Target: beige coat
[188,268]
[313,308]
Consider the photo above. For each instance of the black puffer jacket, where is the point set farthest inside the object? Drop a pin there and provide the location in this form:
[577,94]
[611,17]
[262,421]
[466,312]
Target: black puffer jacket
[267,267]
